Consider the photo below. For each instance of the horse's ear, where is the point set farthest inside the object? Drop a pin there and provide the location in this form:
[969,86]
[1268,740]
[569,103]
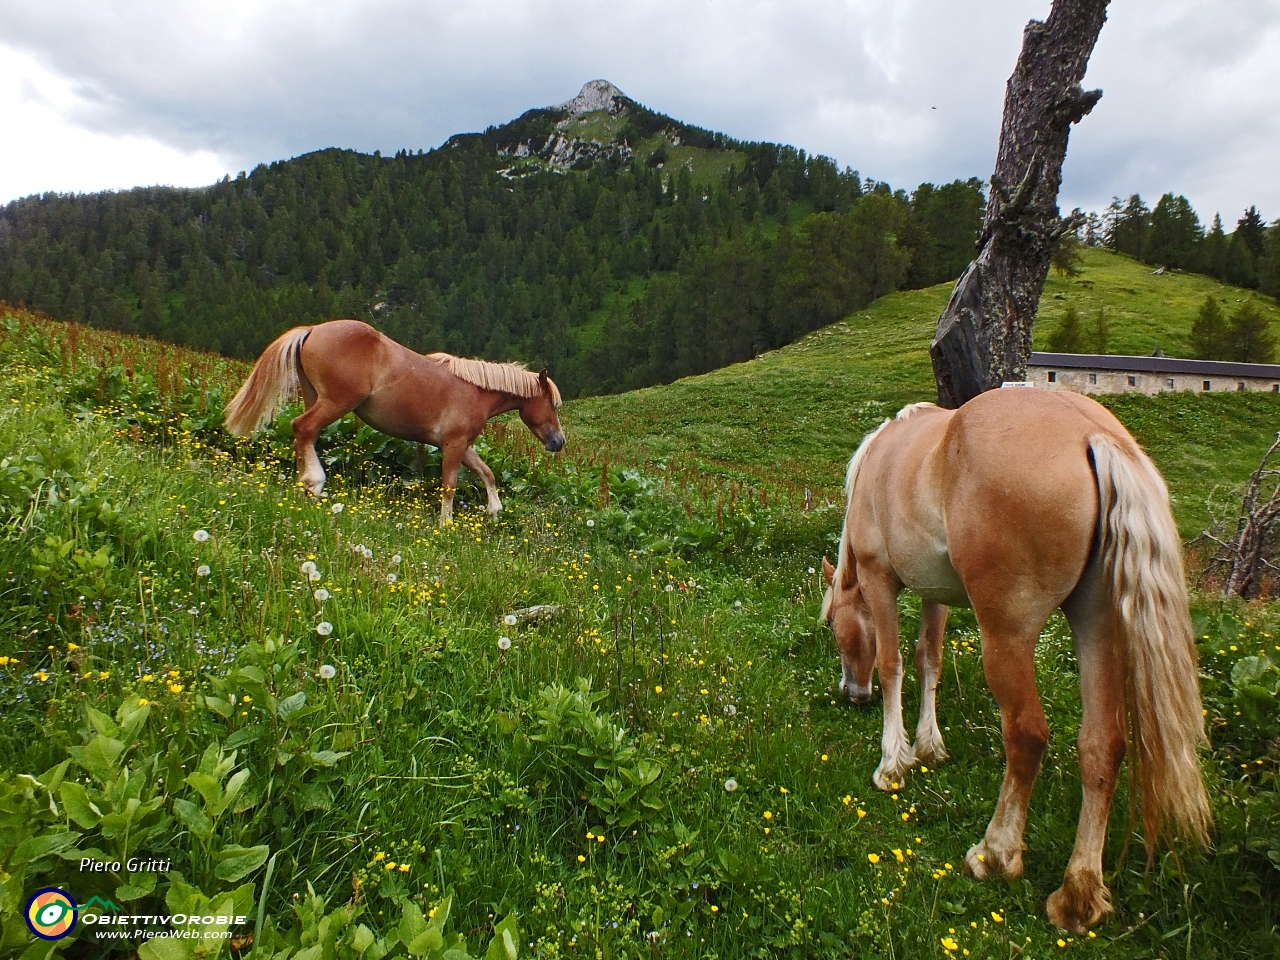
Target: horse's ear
[543,379]
[850,578]
[828,572]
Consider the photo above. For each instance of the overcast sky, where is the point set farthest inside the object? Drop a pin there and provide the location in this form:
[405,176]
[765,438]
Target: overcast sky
[99,94]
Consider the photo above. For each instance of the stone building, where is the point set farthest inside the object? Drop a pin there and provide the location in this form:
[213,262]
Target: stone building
[1092,373]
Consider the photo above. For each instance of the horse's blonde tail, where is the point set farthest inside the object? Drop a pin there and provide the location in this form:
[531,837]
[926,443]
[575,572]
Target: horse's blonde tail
[1141,554]
[272,384]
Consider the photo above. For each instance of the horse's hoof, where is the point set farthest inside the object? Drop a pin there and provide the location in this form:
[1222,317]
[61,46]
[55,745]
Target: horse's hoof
[890,778]
[981,863]
[1078,904]
[930,751]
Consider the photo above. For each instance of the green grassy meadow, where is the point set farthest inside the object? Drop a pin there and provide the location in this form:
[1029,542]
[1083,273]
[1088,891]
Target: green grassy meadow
[320,712]
[795,415]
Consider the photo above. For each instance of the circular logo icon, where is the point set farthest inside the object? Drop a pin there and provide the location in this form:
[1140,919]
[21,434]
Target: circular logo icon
[51,913]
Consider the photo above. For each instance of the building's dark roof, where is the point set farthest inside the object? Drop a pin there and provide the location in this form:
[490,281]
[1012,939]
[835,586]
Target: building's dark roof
[1206,368]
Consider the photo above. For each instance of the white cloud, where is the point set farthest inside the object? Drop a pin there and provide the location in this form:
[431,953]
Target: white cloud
[46,151]
[903,90]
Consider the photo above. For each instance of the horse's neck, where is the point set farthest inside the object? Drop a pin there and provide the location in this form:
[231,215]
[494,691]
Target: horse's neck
[500,402]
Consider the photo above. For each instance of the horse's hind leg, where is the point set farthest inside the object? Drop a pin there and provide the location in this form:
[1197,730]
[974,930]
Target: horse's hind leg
[933,624]
[319,414]
[472,461]
[1083,898]
[1007,658]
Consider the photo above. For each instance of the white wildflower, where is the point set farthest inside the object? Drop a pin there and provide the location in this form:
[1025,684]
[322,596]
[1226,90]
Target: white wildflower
[591,523]
[313,576]
[504,643]
[730,785]
[194,611]
[396,559]
[510,619]
[668,588]
[327,672]
[203,570]
[200,536]
[321,595]
[324,628]
[811,570]
[737,603]
[336,508]
[391,578]
[309,567]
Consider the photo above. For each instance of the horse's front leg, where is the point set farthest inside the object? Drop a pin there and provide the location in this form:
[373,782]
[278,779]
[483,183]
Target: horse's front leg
[451,455]
[933,624]
[895,749]
[473,463]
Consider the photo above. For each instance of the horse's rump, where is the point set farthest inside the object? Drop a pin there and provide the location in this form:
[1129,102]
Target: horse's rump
[272,384]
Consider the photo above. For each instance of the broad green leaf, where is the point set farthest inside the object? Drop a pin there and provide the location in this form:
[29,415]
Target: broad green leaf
[75,799]
[505,944]
[102,723]
[237,862]
[220,706]
[193,818]
[326,758]
[141,885]
[290,705]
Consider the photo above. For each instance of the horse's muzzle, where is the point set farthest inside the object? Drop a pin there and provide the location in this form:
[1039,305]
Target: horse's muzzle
[855,693]
[554,442]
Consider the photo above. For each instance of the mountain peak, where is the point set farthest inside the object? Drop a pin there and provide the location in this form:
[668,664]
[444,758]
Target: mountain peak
[595,95]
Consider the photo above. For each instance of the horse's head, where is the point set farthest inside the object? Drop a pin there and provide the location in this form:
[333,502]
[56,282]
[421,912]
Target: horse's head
[540,413]
[845,611]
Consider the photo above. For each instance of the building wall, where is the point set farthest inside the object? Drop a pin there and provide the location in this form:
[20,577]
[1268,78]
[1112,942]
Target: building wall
[1118,381]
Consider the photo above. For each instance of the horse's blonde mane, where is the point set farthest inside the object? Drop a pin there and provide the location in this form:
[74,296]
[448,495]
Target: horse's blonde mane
[510,378]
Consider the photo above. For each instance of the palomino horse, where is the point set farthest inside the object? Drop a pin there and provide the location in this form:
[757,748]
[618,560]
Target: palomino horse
[346,365]
[1016,504]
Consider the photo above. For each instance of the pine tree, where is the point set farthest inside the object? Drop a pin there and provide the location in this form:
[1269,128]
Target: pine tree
[1250,338]
[1101,331]
[1068,335]
[1213,250]
[1067,258]
[1269,267]
[1127,226]
[1174,232]
[1252,230]
[1209,334]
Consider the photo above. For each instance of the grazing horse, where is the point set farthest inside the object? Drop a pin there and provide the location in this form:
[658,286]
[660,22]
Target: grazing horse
[345,365]
[1016,504]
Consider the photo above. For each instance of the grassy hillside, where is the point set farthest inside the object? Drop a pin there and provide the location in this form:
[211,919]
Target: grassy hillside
[796,414]
[308,708]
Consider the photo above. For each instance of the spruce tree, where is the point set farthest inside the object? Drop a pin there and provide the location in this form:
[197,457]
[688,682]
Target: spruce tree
[1068,335]
[1067,258]
[1252,230]
[1209,339]
[1101,331]
[1250,336]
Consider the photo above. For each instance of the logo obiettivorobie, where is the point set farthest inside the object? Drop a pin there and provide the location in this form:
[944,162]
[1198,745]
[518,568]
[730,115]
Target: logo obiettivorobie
[51,913]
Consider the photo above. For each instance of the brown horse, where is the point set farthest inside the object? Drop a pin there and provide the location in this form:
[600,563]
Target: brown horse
[1016,504]
[345,365]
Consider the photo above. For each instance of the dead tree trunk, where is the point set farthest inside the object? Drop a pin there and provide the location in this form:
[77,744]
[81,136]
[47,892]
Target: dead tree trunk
[984,334]
[1250,552]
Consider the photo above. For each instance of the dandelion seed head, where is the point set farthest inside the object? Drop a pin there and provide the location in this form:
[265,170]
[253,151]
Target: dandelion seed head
[504,643]
[336,508]
[510,620]
[328,671]
[309,567]
[203,570]
[321,595]
[730,785]
[324,628]
[200,536]
[396,558]
[591,523]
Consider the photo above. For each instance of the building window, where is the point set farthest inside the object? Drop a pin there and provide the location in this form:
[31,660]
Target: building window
[1240,385]
[1093,378]
[1208,385]
[1053,377]
[1169,383]
[1133,381]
